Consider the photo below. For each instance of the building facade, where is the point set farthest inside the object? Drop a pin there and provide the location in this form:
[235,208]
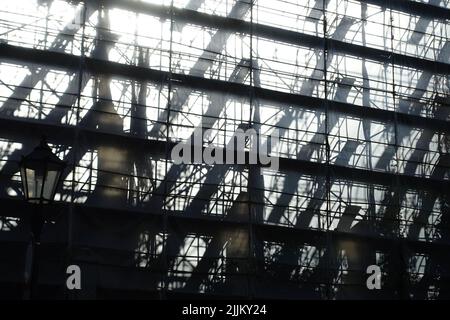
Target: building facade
[359,92]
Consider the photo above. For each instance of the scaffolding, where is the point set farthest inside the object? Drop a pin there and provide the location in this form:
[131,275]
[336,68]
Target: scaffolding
[359,91]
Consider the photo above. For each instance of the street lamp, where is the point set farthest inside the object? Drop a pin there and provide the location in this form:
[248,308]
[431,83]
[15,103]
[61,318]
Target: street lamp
[40,171]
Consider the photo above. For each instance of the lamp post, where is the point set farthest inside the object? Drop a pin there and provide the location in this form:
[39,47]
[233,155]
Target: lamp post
[40,171]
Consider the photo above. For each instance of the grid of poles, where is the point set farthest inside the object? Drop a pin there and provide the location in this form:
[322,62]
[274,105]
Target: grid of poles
[361,98]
